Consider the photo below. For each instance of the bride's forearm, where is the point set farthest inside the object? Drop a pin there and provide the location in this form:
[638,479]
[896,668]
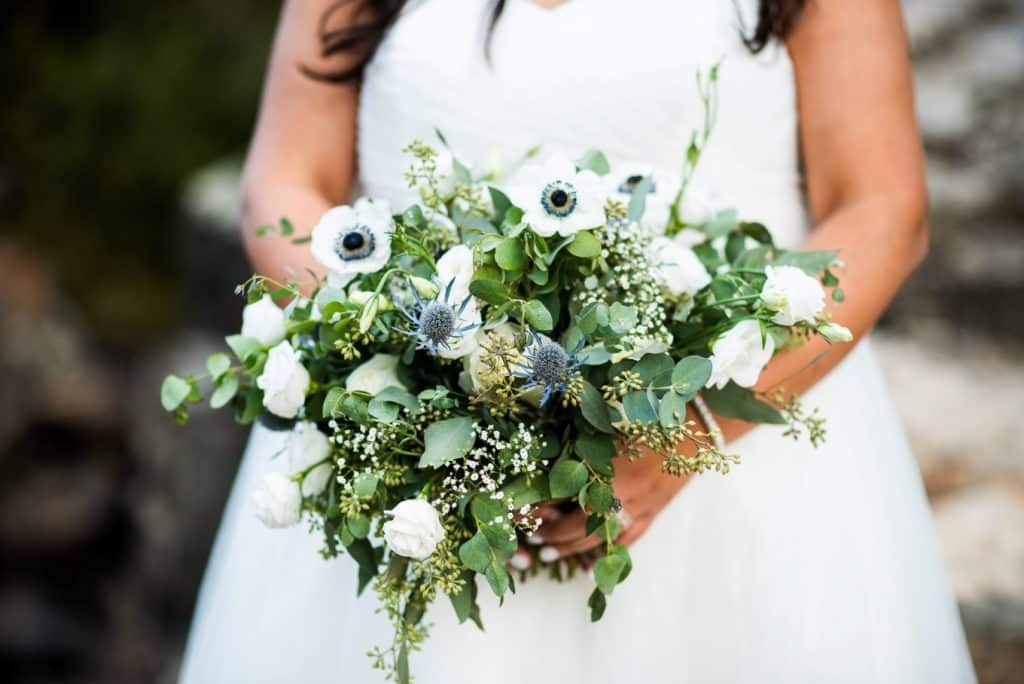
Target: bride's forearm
[879,242]
[275,256]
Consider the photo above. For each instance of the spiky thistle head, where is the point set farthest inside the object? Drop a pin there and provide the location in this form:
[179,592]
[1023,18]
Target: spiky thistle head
[548,365]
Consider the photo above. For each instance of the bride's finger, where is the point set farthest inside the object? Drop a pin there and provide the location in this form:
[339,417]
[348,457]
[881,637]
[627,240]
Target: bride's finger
[548,553]
[570,527]
[635,530]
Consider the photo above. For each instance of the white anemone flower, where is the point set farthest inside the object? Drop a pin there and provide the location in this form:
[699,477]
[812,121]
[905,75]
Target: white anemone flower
[556,198]
[624,178]
[353,240]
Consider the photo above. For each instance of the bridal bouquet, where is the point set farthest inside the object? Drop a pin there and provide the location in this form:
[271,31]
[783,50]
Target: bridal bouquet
[502,344]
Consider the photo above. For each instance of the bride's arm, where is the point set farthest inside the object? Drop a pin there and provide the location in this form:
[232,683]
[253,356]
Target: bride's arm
[865,180]
[864,165]
[301,160]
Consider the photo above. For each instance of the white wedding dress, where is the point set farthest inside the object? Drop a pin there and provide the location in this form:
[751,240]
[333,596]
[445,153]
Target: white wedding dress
[801,566]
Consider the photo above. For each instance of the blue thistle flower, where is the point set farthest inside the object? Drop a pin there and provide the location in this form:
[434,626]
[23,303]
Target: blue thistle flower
[437,323]
[549,365]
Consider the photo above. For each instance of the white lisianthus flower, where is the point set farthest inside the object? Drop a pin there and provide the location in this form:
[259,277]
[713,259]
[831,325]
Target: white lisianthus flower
[353,240]
[456,266]
[558,199]
[740,355]
[277,501]
[307,446]
[414,530]
[624,178]
[677,267]
[375,375]
[794,295]
[833,332]
[264,321]
[466,343]
[284,381]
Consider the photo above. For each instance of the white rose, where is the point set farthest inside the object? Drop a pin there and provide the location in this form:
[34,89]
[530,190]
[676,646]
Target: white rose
[833,332]
[466,343]
[284,381]
[353,240]
[277,501]
[556,198]
[374,375]
[677,267]
[263,321]
[456,267]
[315,481]
[739,355]
[414,530]
[307,446]
[794,295]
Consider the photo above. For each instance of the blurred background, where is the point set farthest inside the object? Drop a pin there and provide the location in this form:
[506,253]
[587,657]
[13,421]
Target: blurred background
[121,134]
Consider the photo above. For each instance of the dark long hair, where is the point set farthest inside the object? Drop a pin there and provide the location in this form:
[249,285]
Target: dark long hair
[371,20]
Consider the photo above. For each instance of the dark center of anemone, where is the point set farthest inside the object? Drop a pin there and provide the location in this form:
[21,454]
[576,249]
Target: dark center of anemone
[437,322]
[550,362]
[353,241]
[559,198]
[629,185]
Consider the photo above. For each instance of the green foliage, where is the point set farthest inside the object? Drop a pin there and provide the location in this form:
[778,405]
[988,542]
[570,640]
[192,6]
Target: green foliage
[447,440]
[110,109]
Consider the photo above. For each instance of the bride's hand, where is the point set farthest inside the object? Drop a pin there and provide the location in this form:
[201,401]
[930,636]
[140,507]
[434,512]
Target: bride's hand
[644,491]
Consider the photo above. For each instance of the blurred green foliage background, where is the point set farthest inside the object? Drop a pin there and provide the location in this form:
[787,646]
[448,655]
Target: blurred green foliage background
[108,107]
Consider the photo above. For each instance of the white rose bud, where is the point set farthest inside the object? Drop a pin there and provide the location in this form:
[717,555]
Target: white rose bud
[794,295]
[424,287]
[833,332]
[739,355]
[677,267]
[263,321]
[374,375]
[277,501]
[284,381]
[414,530]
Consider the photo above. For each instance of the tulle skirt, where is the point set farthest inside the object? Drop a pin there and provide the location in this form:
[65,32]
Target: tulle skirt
[800,566]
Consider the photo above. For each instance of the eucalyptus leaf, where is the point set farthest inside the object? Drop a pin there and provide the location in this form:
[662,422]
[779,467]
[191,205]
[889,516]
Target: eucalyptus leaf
[638,408]
[510,255]
[585,245]
[594,409]
[567,478]
[538,316]
[242,346]
[447,440]
[226,390]
[690,375]
[594,160]
[491,291]
[173,392]
[734,401]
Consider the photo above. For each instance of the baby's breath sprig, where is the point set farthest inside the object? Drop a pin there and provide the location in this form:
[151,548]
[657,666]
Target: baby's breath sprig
[629,279]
